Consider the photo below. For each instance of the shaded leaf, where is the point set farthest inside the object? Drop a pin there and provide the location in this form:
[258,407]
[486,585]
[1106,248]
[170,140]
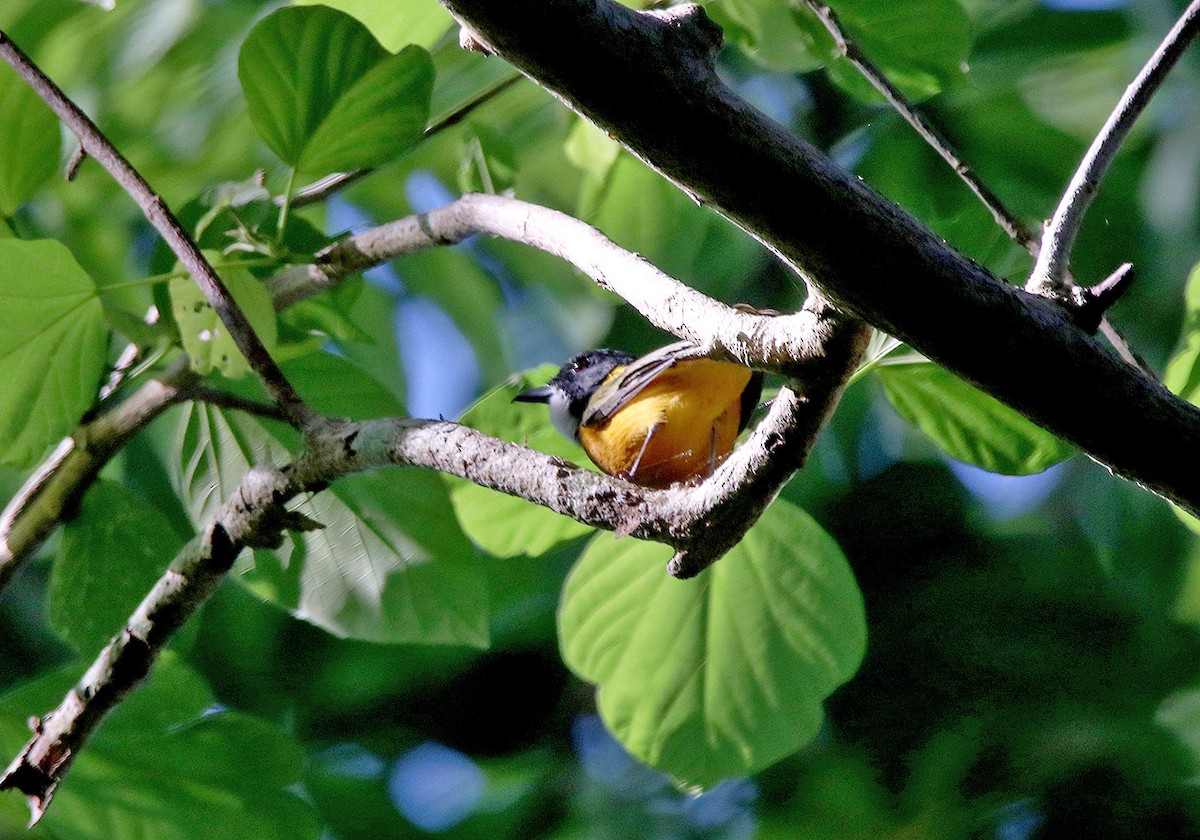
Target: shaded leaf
[214,449]
[110,556]
[29,141]
[52,344]
[166,765]
[724,674]
[919,45]
[967,424]
[390,565]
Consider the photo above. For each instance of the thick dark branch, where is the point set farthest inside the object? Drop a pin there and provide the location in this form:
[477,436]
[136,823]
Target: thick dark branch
[610,64]
[1005,219]
[96,145]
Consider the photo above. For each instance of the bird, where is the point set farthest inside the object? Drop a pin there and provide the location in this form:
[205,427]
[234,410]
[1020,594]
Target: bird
[668,417]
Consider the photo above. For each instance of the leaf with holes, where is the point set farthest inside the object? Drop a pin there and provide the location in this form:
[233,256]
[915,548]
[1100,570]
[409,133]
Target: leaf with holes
[207,341]
[52,343]
[723,674]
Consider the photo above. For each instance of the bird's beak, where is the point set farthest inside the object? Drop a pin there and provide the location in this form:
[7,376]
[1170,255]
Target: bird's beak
[535,395]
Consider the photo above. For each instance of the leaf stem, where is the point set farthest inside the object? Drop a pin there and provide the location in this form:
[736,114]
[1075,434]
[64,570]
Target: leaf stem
[286,205]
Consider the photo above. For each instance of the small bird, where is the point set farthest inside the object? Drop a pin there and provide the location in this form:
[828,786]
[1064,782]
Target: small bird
[668,417]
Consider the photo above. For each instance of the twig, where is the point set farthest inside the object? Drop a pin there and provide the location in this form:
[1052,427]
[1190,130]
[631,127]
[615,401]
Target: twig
[224,399]
[125,362]
[321,189]
[77,158]
[1047,277]
[1008,221]
[95,144]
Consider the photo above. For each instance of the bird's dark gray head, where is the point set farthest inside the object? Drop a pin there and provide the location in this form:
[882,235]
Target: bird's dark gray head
[568,392]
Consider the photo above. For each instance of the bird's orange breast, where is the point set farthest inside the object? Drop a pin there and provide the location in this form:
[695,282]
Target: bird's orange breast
[691,414]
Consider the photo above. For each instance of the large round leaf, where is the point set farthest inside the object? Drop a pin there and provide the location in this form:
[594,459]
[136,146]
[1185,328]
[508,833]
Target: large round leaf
[724,674]
[326,96]
[52,343]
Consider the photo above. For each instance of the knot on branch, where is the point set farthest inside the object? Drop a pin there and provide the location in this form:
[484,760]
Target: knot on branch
[1087,305]
[690,29]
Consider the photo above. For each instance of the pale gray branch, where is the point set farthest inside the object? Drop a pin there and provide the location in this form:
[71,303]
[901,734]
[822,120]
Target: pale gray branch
[1048,274]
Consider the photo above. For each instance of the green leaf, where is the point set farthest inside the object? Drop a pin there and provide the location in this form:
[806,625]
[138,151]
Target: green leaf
[643,212]
[206,340]
[213,451]
[357,395]
[390,565]
[920,45]
[326,96]
[52,344]
[967,424]
[1183,371]
[110,556]
[166,765]
[504,525]
[724,674]
[29,141]
[421,22]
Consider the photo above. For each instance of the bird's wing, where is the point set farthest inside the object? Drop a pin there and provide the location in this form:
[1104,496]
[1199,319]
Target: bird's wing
[618,390]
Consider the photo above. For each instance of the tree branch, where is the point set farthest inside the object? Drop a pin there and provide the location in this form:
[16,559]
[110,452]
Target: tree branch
[867,255]
[790,344]
[1005,219]
[701,523]
[93,142]
[768,342]
[1048,274]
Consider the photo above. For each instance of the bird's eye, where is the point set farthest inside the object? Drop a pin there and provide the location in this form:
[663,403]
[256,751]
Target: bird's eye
[580,364]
